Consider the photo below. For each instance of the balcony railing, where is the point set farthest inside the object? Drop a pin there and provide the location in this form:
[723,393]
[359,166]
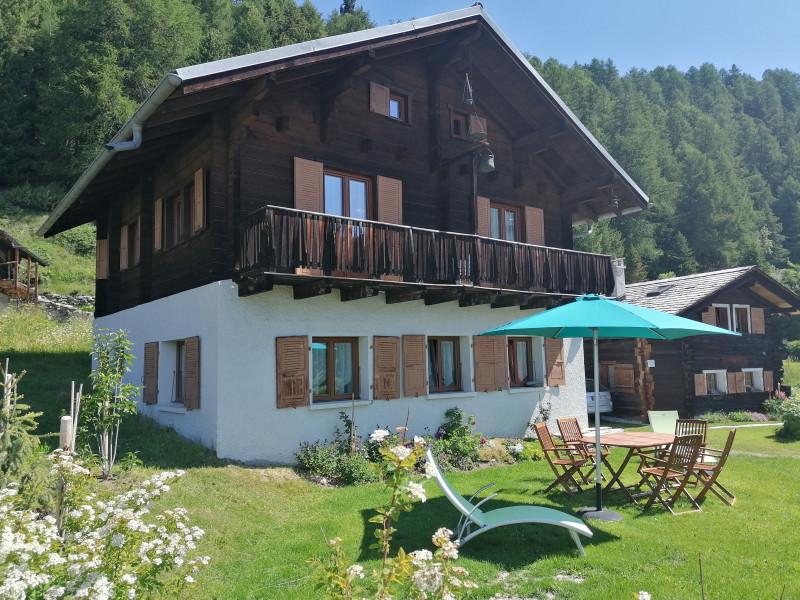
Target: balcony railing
[283,240]
[19,279]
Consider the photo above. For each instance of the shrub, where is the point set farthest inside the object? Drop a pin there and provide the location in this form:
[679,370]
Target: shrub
[778,405]
[456,441]
[354,469]
[791,424]
[494,451]
[715,417]
[319,458]
[793,349]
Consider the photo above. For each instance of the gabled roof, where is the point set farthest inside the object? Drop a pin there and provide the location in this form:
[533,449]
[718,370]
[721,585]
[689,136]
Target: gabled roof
[683,295]
[9,242]
[541,118]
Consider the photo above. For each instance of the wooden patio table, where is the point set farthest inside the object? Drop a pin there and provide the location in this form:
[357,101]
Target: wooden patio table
[633,441]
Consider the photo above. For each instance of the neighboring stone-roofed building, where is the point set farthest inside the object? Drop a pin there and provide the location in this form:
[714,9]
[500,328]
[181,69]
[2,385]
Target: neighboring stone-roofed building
[704,373]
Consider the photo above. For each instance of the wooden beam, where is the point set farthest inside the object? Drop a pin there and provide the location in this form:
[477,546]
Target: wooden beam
[587,189]
[440,296]
[537,141]
[311,289]
[540,302]
[357,292]
[471,298]
[506,300]
[255,285]
[397,295]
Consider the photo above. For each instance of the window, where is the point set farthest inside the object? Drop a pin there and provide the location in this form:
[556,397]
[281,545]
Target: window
[753,380]
[181,215]
[741,318]
[184,375]
[503,222]
[458,124]
[390,102]
[398,105]
[722,316]
[334,368]
[521,365]
[716,382]
[346,195]
[129,245]
[444,364]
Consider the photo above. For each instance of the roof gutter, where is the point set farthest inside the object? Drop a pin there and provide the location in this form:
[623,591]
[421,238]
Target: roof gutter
[129,137]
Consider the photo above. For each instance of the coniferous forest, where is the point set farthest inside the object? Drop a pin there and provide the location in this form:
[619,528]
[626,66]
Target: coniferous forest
[717,150]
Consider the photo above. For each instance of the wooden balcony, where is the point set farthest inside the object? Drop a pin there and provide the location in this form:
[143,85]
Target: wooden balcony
[314,252]
[19,279]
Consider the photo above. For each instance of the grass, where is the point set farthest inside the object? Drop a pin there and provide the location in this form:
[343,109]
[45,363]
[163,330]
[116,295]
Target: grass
[263,523]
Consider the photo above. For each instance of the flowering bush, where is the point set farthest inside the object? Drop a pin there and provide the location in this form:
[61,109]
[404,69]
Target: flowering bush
[417,575]
[94,547]
[456,441]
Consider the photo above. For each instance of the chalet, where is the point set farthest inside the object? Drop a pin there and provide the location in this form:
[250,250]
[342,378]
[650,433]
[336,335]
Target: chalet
[706,373]
[19,270]
[326,226]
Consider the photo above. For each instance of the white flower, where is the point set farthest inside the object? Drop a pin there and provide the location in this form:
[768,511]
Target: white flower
[378,435]
[356,571]
[644,595]
[418,441]
[128,578]
[401,452]
[118,541]
[428,578]
[189,579]
[415,490]
[442,535]
[450,550]
[420,557]
[430,470]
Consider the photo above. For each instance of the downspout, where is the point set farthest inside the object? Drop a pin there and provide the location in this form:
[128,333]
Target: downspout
[129,137]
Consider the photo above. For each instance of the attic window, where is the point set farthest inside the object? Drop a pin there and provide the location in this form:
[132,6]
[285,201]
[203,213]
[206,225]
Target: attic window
[390,102]
[658,291]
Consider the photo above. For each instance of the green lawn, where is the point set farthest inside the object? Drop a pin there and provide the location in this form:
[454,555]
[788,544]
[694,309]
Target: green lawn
[263,523]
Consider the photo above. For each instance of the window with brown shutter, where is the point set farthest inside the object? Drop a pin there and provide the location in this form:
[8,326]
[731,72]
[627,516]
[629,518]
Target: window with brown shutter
[308,187]
[769,382]
[101,259]
[390,200]
[334,368]
[709,316]
[123,248]
[199,201]
[292,371]
[414,368]
[191,397]
[484,220]
[624,378]
[386,368]
[554,361]
[534,226]
[490,363]
[521,364]
[150,379]
[379,98]
[158,224]
[757,320]
[735,382]
[700,384]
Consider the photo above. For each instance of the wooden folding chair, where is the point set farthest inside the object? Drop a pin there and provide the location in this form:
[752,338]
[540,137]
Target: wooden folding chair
[571,434]
[566,460]
[668,477]
[707,472]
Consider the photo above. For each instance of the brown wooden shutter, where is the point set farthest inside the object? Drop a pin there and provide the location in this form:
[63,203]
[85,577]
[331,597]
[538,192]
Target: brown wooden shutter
[414,366]
[709,316]
[199,201]
[731,377]
[769,381]
[150,379]
[191,396]
[379,98]
[292,371]
[484,220]
[123,248]
[757,324]
[738,380]
[158,224]
[491,355]
[390,200]
[700,384]
[476,125]
[137,242]
[101,259]
[624,377]
[534,226]
[308,185]
[386,356]
[554,361]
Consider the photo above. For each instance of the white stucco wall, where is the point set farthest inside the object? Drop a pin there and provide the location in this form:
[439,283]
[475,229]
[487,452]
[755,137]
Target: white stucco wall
[238,414]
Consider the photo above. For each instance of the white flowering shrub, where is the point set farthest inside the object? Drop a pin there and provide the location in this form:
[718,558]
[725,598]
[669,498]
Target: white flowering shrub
[92,547]
[416,575]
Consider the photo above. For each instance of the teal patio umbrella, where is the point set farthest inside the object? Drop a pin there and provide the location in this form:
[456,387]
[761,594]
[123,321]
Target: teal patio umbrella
[593,316]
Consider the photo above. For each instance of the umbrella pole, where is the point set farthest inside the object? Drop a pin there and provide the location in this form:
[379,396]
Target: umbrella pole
[597,511]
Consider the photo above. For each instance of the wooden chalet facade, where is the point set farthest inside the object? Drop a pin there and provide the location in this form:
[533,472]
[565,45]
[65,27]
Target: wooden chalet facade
[19,269]
[706,373]
[271,221]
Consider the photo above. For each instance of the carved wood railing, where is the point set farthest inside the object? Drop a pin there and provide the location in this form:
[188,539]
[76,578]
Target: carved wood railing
[282,240]
[18,278]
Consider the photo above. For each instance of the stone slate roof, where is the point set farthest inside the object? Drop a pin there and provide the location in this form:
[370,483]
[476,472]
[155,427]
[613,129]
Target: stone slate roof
[677,294]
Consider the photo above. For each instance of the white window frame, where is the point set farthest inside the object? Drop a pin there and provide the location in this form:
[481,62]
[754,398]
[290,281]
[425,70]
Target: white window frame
[727,307]
[722,381]
[736,325]
[758,379]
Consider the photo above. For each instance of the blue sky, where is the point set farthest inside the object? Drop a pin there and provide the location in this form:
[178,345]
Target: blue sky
[753,35]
